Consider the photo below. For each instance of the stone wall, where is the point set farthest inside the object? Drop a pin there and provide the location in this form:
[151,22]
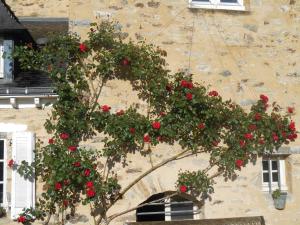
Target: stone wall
[239,54]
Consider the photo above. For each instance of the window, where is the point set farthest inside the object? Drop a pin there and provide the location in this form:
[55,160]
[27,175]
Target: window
[273,174]
[218,4]
[1,59]
[160,208]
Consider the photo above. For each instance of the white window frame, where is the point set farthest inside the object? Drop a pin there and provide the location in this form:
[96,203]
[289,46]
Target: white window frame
[4,160]
[168,211]
[1,59]
[218,4]
[281,184]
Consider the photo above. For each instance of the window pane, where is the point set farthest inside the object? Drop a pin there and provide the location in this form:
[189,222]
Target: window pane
[265,165]
[1,149]
[229,1]
[1,171]
[1,193]
[182,210]
[275,177]
[274,165]
[200,1]
[265,177]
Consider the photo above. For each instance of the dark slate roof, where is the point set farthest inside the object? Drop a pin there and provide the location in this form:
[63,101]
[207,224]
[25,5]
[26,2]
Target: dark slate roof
[258,220]
[10,25]
[41,28]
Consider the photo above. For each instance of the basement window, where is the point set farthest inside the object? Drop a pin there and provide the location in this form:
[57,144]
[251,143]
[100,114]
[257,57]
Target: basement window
[218,4]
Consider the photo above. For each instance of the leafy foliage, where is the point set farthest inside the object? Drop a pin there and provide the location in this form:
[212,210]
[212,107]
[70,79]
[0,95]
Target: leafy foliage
[179,111]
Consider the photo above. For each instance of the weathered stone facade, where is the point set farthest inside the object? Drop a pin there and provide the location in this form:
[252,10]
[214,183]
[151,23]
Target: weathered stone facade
[240,54]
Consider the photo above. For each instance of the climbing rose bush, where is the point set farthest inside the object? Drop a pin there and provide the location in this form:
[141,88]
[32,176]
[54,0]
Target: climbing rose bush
[180,112]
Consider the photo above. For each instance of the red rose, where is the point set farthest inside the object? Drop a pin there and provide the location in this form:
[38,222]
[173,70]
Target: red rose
[215,143]
[201,126]
[72,148]
[261,141]
[169,87]
[257,116]
[90,193]
[51,141]
[162,114]
[159,139]
[147,138]
[283,134]
[64,136]
[292,126]
[242,143]
[131,130]
[248,136]
[87,172]
[11,163]
[290,109]
[264,98]
[213,93]
[183,188]
[239,163]
[184,83]
[89,184]
[156,125]
[22,219]
[67,182]
[105,108]
[77,164]
[292,136]
[125,62]
[65,203]
[275,137]
[82,47]
[190,85]
[252,127]
[58,186]
[189,96]
[120,112]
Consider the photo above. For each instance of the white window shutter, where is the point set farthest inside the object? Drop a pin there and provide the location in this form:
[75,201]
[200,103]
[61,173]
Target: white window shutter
[8,46]
[23,191]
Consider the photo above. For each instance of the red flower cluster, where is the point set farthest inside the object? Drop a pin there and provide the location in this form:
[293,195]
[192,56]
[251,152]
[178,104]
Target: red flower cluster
[11,163]
[252,127]
[248,136]
[87,172]
[58,186]
[90,189]
[292,136]
[292,126]
[169,87]
[64,136]
[201,126]
[264,99]
[290,109]
[125,62]
[120,112]
[261,141]
[22,219]
[215,143]
[131,130]
[242,143]
[147,138]
[77,164]
[72,148]
[65,203]
[156,125]
[51,141]
[186,84]
[183,188]
[189,96]
[82,47]
[257,116]
[105,108]
[239,163]
[213,93]
[275,137]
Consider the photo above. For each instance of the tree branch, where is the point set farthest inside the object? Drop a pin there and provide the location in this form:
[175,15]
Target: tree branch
[110,218]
